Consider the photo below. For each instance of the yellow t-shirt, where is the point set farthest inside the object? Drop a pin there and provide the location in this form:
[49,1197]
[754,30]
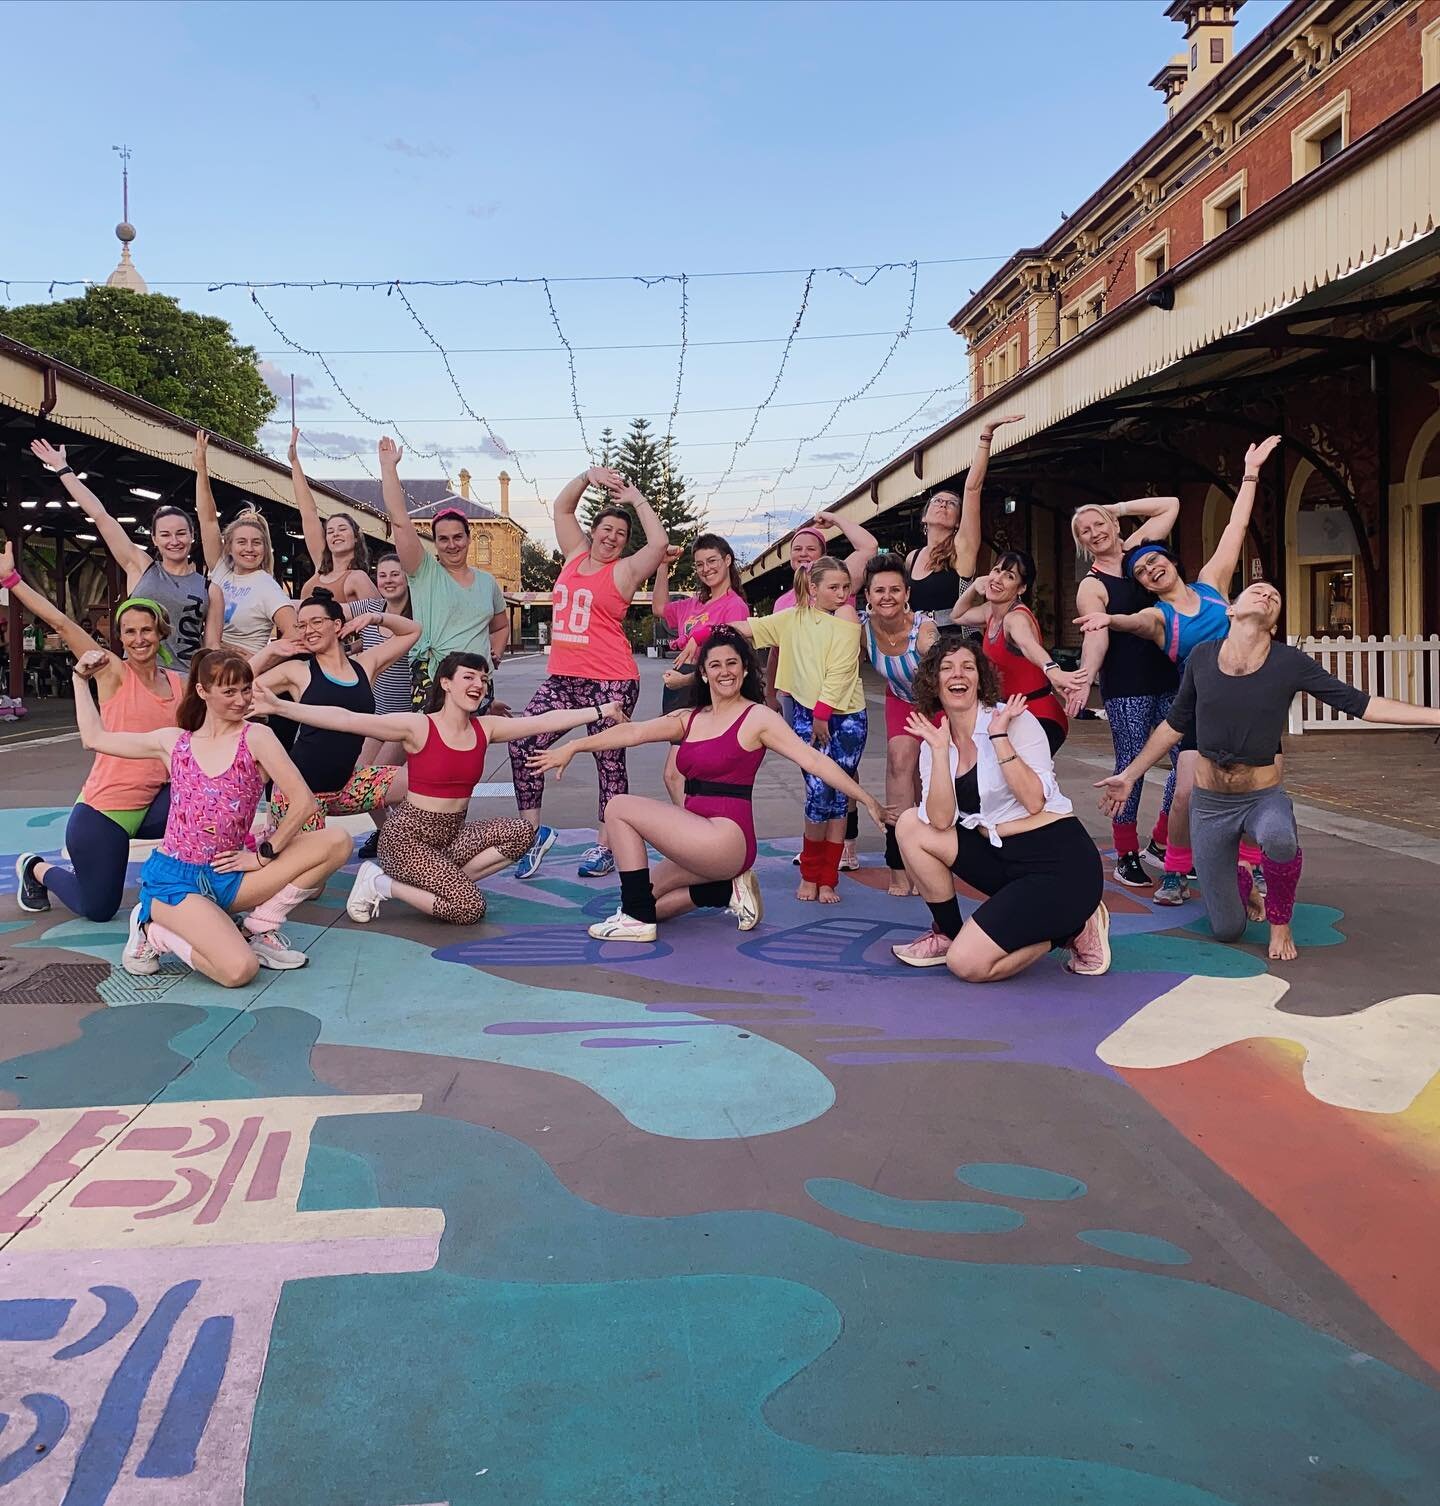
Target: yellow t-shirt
[819,658]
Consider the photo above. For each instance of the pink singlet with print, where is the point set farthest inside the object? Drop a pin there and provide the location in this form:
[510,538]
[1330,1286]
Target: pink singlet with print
[587,637]
[210,816]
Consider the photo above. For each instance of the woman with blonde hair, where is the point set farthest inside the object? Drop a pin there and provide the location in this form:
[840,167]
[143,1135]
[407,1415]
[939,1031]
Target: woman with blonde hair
[241,561]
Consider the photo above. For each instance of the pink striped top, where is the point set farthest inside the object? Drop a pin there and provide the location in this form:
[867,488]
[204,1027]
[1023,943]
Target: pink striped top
[210,816]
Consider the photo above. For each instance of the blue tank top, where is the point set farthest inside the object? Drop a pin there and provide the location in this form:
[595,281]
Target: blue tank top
[898,669]
[1182,634]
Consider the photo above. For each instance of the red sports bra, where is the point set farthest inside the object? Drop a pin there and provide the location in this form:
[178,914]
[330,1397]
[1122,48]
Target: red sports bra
[446,773]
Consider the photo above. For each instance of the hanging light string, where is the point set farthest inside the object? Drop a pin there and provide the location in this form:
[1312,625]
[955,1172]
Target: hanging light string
[679,377]
[570,357]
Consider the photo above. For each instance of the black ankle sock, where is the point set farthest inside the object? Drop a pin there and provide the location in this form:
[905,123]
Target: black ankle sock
[892,850]
[637,898]
[946,915]
[852,825]
[714,895]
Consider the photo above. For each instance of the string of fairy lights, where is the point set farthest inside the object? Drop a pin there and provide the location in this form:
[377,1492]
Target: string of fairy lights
[764,499]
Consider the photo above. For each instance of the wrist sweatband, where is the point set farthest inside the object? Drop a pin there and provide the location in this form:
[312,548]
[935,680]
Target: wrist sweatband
[11,581]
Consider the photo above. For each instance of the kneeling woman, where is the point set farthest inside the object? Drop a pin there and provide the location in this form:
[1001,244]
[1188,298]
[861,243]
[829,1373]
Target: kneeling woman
[992,815]
[709,846]
[201,874]
[430,857]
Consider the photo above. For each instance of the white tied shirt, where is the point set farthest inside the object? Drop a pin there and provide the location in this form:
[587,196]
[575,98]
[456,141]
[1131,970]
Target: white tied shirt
[997,800]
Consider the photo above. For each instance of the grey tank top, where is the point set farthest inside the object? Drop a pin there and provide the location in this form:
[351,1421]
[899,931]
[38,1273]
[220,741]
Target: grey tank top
[185,598]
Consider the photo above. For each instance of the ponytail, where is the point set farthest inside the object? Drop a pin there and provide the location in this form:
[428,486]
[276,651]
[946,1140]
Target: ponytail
[806,577]
[210,667]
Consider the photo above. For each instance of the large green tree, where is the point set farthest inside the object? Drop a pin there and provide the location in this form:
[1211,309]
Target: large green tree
[539,566]
[647,460]
[146,344]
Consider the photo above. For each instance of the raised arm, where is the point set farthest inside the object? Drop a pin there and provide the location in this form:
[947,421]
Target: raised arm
[1220,568]
[214,615]
[408,727]
[310,524]
[205,510]
[967,536]
[404,635]
[1160,514]
[569,535]
[407,542]
[660,591]
[93,735]
[635,569]
[970,610]
[864,546]
[72,635]
[131,558]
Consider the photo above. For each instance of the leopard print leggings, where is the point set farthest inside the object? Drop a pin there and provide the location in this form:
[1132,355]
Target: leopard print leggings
[429,850]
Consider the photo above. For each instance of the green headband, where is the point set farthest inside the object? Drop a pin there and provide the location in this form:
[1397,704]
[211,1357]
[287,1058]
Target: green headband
[147,604]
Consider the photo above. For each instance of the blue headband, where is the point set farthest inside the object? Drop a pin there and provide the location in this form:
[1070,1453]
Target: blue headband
[1140,551]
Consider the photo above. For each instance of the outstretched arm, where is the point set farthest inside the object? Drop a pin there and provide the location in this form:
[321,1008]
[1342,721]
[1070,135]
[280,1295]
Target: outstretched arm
[778,737]
[1220,568]
[569,535]
[131,558]
[1149,623]
[967,536]
[635,569]
[1020,629]
[1115,790]
[72,635]
[205,509]
[407,542]
[310,524]
[505,729]
[1160,514]
[408,727]
[1400,713]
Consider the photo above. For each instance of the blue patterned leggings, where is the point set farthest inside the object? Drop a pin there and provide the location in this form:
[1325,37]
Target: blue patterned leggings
[1132,719]
[847,743]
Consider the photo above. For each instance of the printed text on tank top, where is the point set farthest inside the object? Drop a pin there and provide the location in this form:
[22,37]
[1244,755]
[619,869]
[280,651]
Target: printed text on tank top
[441,771]
[587,634]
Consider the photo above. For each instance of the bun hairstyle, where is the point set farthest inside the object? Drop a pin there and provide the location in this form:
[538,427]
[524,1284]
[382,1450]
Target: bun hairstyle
[752,687]
[722,548]
[248,519]
[807,577]
[209,668]
[327,602]
[445,670]
[927,675]
[360,555]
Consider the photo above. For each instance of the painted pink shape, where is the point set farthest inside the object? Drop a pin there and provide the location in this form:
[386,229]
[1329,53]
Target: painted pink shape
[55,1166]
[225,1182]
[219,1134]
[198,1184]
[120,1192]
[266,1181]
[13,1131]
[162,1137]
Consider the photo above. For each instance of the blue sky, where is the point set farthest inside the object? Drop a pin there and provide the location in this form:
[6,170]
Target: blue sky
[434,141]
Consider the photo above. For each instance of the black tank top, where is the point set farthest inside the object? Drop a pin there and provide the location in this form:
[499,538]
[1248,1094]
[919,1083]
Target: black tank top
[967,792]
[1133,665]
[325,758]
[936,592]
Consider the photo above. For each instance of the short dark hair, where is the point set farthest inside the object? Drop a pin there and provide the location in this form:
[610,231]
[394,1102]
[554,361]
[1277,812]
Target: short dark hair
[1128,560]
[927,676]
[887,564]
[752,687]
[614,511]
[1022,563]
[445,670]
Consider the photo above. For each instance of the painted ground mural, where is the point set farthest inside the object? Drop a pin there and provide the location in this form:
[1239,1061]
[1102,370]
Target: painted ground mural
[516,1216]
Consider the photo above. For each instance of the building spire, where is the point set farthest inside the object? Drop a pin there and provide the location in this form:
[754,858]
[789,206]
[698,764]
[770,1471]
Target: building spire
[125,274]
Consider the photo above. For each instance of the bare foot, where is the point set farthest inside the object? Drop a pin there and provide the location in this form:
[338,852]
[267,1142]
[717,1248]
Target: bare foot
[828,896]
[1282,944]
[900,885]
[1255,906]
[807,890]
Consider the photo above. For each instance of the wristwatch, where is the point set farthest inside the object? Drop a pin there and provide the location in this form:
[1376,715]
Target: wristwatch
[267,852]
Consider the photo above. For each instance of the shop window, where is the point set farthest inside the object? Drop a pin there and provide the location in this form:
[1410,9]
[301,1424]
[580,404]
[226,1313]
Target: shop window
[1325,135]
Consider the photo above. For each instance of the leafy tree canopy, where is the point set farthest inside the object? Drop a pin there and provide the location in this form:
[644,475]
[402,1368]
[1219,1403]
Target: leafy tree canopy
[146,344]
[645,459]
[539,567]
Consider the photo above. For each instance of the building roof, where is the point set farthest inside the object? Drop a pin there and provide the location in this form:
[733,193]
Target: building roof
[424,497]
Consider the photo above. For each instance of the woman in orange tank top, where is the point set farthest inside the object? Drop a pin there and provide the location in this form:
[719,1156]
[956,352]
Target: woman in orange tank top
[123,798]
[590,657]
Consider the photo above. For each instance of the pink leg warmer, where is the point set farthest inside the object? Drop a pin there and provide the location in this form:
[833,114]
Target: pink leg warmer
[271,915]
[1178,859]
[163,939]
[1282,880]
[1161,832]
[1127,837]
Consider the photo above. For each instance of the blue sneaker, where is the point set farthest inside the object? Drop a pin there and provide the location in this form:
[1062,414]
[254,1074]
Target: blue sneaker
[1173,890]
[528,866]
[597,862]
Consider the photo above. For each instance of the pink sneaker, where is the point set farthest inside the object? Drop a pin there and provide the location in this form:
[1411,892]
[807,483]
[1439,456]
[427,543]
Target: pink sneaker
[926,951]
[1090,950]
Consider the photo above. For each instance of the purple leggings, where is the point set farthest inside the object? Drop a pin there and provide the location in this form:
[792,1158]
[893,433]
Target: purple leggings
[570,693]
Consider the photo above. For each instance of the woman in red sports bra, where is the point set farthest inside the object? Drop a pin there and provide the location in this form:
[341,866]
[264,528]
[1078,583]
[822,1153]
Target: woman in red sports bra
[1011,642]
[709,846]
[431,858]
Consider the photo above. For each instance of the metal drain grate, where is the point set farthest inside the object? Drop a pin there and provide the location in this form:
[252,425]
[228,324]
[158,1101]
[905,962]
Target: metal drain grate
[57,983]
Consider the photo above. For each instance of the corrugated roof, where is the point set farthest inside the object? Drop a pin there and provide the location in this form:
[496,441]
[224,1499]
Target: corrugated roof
[424,496]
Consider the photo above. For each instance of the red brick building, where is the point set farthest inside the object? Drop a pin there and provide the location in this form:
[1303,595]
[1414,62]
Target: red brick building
[1267,261]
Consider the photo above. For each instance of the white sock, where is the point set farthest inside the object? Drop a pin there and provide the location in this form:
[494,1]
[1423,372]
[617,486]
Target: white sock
[381,885]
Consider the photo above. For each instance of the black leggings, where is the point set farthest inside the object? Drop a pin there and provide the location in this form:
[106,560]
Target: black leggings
[99,852]
[1043,884]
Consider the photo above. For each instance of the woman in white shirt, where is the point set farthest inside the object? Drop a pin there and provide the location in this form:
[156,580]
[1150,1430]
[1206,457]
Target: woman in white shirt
[996,819]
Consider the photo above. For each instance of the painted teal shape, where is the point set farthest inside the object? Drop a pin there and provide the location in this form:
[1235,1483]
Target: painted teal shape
[13,925]
[1165,952]
[935,1216]
[1005,1179]
[564,1349]
[1135,1246]
[367,988]
[274,1054]
[336,1179]
[1312,925]
[20,823]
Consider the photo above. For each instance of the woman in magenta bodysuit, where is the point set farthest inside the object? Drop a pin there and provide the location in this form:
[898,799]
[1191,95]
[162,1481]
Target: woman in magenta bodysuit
[709,846]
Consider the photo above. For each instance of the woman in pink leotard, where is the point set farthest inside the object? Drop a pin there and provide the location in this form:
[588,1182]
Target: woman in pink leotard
[709,846]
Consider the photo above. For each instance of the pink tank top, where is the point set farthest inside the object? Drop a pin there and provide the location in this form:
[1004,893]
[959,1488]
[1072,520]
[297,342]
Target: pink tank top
[210,816]
[130,784]
[588,628]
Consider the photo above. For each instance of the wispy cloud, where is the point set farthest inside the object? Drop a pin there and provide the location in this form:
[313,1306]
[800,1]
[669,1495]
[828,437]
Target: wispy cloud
[341,445]
[485,211]
[429,151]
[277,379]
[821,456]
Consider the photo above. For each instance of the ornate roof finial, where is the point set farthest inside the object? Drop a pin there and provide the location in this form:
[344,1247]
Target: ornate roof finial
[125,274]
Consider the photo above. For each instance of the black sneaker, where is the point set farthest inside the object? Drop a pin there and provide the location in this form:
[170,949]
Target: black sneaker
[369,848]
[1130,871]
[1154,854]
[30,892]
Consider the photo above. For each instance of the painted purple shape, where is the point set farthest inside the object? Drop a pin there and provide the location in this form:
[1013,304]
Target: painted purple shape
[628,1040]
[576,1027]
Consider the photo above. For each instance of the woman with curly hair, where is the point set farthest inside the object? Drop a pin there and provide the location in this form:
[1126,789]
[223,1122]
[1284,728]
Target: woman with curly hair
[992,815]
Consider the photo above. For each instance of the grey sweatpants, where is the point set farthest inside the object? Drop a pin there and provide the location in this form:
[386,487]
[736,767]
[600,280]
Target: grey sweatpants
[1217,823]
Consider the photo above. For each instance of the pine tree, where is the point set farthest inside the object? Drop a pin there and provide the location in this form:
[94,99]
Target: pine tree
[647,461]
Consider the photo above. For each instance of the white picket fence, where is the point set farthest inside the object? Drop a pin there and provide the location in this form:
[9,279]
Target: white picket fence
[1406,669]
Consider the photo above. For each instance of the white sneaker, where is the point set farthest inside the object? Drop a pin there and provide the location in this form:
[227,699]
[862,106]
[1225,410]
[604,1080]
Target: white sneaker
[139,958]
[273,950]
[621,927]
[746,904]
[364,903]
